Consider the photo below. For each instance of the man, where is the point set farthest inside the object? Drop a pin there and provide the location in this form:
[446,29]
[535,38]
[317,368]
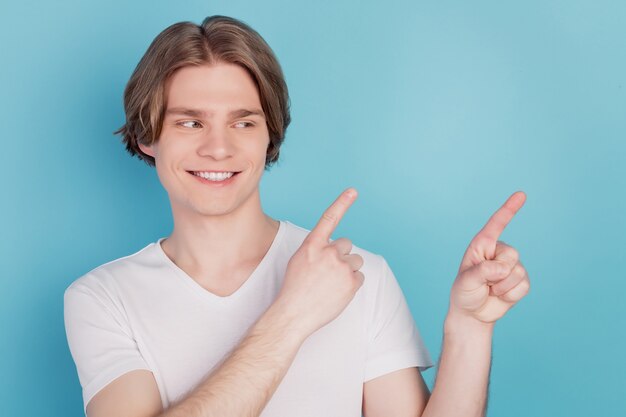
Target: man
[237,314]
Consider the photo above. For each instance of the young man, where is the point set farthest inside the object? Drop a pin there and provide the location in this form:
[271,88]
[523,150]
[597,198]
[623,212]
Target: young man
[238,314]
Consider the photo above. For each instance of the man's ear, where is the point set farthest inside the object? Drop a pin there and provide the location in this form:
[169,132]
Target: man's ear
[147,149]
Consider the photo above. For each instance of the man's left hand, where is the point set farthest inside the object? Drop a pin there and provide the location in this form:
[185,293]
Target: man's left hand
[491,278]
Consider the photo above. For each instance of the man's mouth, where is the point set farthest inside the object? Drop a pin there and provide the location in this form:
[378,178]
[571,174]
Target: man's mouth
[214,175]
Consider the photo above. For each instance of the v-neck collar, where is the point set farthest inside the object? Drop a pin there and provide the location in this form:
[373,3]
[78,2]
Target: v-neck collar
[203,292]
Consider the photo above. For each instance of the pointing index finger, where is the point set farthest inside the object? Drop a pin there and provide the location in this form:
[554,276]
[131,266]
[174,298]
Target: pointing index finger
[499,220]
[326,225]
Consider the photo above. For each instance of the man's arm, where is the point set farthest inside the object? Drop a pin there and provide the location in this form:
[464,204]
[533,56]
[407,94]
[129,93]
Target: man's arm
[490,281]
[241,386]
[133,394]
[321,280]
[463,374]
[401,393]
[460,387]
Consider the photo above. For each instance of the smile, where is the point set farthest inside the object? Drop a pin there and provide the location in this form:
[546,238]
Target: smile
[213,175]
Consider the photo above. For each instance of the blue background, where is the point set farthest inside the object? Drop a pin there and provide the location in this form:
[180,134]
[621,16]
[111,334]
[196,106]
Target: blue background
[435,111]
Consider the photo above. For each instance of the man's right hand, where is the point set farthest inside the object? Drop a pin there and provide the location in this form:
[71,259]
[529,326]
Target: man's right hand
[321,278]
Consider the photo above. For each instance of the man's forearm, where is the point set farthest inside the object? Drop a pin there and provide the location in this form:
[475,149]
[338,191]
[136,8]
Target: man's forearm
[463,375]
[247,379]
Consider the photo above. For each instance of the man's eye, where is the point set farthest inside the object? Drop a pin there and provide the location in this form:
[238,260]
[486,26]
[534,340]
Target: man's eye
[189,123]
[244,124]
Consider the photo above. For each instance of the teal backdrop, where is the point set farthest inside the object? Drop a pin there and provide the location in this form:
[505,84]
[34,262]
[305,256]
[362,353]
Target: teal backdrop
[436,111]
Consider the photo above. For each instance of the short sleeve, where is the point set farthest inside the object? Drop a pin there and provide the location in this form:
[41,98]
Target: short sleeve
[394,340]
[99,339]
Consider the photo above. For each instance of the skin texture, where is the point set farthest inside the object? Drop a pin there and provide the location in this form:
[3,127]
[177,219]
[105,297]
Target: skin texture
[223,232]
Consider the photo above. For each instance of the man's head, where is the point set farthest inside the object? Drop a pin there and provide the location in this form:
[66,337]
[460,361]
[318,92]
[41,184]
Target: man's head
[219,39]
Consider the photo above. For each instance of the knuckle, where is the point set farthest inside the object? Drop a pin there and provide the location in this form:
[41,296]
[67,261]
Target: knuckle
[308,241]
[485,268]
[502,243]
[356,262]
[518,292]
[308,248]
[359,279]
[497,290]
[482,241]
[343,243]
[492,268]
[329,216]
[309,253]
[333,252]
[514,254]
[508,250]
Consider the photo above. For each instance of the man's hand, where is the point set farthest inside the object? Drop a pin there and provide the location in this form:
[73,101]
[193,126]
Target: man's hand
[491,278]
[321,278]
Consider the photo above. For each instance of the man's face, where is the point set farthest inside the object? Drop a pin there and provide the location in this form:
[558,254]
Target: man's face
[211,152]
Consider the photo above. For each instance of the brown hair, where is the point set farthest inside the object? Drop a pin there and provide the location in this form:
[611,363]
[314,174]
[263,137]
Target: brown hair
[217,39]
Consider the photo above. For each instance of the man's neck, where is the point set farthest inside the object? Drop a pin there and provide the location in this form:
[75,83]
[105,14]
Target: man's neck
[203,246]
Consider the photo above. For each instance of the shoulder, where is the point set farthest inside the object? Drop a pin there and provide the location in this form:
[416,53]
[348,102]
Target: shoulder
[101,280]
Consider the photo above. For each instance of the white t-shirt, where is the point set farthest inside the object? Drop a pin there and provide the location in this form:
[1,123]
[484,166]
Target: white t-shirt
[143,312]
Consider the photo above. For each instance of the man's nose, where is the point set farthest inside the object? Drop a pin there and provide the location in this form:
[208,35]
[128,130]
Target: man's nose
[216,143]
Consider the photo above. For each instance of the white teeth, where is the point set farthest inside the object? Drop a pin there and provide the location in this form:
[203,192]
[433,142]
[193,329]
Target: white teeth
[214,176]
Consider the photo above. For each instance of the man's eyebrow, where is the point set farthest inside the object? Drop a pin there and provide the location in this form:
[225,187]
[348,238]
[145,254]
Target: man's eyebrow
[200,113]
